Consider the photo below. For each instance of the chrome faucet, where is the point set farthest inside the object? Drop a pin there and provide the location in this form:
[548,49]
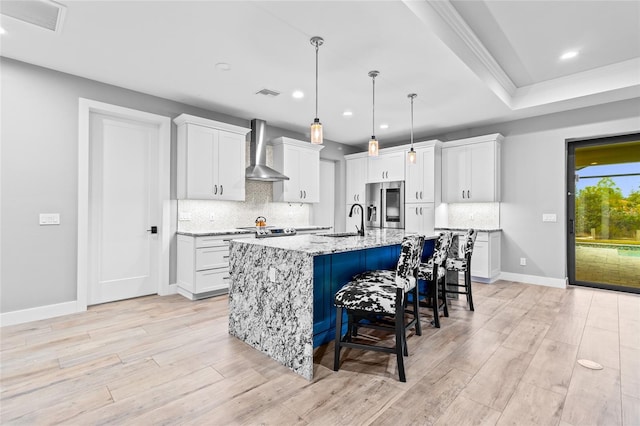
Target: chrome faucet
[361,230]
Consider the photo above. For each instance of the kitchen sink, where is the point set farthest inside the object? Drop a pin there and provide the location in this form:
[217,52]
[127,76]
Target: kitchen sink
[340,234]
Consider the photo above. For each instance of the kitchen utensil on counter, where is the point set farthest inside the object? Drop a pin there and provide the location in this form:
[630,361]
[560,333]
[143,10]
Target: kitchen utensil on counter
[261,221]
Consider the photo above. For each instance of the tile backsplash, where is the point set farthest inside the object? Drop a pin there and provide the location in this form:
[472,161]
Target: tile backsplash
[469,215]
[211,215]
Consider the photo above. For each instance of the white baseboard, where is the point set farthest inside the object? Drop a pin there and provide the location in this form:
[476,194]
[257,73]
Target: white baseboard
[51,311]
[39,313]
[534,279]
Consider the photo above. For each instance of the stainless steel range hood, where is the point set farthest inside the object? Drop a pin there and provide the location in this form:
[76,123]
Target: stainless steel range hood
[258,169]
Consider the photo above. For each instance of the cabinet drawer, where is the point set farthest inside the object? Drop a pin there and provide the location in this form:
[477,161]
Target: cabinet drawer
[212,258]
[214,279]
[216,241]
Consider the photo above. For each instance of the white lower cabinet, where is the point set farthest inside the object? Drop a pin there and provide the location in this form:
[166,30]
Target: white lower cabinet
[485,259]
[203,266]
[419,218]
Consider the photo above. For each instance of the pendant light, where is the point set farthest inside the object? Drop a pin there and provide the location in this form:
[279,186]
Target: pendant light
[316,126]
[412,157]
[373,143]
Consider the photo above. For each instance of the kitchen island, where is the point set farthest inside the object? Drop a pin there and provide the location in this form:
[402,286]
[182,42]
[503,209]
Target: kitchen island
[281,292]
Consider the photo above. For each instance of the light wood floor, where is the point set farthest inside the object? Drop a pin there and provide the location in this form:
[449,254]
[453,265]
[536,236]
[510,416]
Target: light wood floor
[167,360]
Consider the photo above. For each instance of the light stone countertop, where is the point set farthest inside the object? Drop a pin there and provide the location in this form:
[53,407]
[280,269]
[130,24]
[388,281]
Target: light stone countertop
[317,245]
[466,229]
[234,231]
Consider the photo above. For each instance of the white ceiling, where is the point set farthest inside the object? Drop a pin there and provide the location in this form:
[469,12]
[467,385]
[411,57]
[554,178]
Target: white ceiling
[470,62]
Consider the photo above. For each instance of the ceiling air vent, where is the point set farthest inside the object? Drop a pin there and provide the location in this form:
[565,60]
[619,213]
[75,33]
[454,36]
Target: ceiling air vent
[45,14]
[268,92]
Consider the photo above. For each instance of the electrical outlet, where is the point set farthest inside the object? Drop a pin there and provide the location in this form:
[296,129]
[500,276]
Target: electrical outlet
[184,216]
[549,217]
[49,218]
[523,261]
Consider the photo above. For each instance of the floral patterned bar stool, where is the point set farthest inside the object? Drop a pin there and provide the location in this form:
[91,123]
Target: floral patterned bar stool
[377,299]
[433,272]
[463,264]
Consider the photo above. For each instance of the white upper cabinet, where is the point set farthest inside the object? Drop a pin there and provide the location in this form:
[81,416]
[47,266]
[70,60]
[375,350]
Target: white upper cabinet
[211,159]
[471,170]
[386,167]
[423,178]
[300,161]
[356,178]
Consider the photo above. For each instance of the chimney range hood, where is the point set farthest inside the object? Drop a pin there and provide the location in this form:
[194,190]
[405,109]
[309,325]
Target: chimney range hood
[258,169]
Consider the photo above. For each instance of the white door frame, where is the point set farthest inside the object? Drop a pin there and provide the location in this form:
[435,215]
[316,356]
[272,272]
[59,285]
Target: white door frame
[85,108]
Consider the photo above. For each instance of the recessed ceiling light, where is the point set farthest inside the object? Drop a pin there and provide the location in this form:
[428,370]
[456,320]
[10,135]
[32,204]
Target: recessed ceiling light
[347,113]
[384,126]
[568,55]
[223,66]
[2,31]
[594,163]
[298,94]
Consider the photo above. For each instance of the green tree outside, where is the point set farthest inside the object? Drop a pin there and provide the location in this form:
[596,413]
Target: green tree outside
[602,212]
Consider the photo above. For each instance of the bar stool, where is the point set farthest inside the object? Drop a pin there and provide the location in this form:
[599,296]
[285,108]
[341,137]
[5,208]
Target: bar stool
[433,272]
[463,264]
[377,300]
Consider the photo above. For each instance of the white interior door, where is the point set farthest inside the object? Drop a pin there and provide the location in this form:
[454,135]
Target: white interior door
[323,212]
[122,192]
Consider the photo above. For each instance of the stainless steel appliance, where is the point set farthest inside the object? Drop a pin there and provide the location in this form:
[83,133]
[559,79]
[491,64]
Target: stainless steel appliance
[271,231]
[384,205]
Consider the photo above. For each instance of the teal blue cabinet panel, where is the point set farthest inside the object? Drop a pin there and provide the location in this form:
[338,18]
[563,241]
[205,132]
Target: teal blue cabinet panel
[331,272]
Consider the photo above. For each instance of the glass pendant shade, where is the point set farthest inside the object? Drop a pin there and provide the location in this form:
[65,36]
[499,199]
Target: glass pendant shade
[373,147]
[316,132]
[412,157]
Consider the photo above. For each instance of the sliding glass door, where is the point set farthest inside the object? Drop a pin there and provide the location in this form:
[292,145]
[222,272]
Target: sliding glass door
[603,208]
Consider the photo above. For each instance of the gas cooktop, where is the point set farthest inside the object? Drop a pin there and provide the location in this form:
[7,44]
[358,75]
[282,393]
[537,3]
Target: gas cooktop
[271,231]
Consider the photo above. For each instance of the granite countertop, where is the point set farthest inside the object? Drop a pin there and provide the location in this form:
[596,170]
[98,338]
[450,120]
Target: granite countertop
[235,231]
[466,229]
[316,245]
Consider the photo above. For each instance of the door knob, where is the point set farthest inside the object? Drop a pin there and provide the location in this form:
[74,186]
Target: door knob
[153,230]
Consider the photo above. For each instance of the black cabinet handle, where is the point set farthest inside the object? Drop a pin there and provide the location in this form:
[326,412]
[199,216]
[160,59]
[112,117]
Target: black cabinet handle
[221,189]
[215,189]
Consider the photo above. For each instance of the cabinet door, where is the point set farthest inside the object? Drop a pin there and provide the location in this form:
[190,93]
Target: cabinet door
[420,177]
[386,167]
[356,180]
[201,143]
[454,174]
[230,162]
[480,259]
[482,168]
[414,185]
[354,221]
[309,175]
[420,218]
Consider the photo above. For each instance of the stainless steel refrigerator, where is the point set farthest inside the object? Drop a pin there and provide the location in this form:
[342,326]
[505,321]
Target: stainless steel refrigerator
[385,205]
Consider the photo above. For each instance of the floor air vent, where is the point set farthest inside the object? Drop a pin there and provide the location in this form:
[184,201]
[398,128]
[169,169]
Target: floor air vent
[45,14]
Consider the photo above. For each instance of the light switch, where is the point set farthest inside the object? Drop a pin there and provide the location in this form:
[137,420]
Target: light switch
[272,275]
[549,217]
[49,218]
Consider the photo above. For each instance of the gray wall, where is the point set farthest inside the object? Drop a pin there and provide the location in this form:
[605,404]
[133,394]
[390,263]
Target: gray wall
[534,180]
[39,167]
